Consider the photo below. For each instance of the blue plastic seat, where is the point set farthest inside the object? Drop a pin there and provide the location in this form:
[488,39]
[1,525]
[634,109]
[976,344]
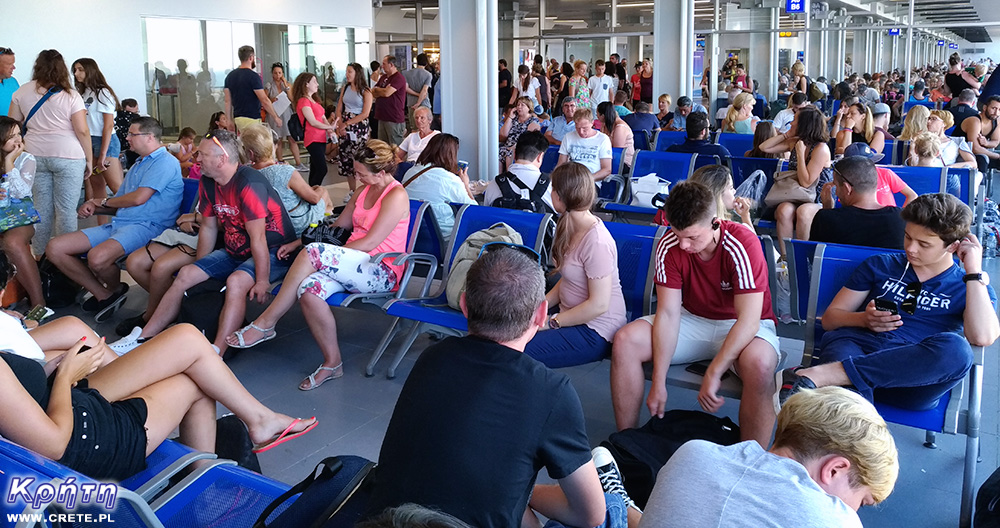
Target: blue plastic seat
[665,138]
[736,144]
[799,257]
[923,180]
[616,160]
[550,159]
[190,197]
[636,246]
[641,139]
[429,312]
[743,167]
[888,153]
[833,264]
[402,168]
[931,105]
[673,166]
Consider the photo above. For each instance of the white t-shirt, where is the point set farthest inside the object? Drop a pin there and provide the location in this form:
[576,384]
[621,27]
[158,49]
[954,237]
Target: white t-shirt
[783,120]
[439,187]
[586,151]
[414,145]
[530,94]
[949,149]
[97,106]
[528,174]
[14,338]
[599,87]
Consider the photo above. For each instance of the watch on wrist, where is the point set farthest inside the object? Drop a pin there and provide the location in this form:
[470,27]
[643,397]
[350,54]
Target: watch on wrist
[553,323]
[982,277]
[104,202]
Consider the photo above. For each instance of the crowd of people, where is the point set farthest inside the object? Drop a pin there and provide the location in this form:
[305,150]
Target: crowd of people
[831,454]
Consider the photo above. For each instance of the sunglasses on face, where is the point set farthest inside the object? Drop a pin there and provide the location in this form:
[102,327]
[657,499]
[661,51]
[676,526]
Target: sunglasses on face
[6,51]
[525,250]
[365,155]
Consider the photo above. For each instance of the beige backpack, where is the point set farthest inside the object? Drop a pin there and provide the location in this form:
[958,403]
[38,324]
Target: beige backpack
[468,252]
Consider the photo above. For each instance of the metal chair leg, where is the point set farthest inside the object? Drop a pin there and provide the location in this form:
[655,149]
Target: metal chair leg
[404,348]
[930,439]
[380,349]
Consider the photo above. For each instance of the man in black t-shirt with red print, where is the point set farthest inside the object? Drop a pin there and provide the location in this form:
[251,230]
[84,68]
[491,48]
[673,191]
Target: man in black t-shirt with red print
[239,202]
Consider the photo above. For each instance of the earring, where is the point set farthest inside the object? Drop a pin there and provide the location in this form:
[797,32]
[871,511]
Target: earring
[716,225]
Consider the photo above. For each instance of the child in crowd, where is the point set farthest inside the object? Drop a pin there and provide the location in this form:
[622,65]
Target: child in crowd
[183,150]
[926,151]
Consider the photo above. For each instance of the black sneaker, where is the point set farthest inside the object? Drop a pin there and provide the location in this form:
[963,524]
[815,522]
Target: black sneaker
[611,476]
[106,308]
[125,327]
[788,383]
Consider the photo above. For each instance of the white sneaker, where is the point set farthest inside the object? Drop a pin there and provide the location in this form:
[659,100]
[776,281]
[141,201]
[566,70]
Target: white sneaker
[611,476]
[348,197]
[127,343]
[301,168]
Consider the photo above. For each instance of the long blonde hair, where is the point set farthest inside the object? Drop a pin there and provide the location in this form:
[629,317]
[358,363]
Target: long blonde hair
[915,123]
[574,186]
[740,102]
[869,128]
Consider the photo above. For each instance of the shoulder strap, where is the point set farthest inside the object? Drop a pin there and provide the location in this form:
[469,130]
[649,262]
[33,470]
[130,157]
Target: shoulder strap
[504,183]
[417,175]
[38,105]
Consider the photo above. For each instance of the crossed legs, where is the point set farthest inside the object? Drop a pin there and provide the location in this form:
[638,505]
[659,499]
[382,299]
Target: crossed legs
[99,275]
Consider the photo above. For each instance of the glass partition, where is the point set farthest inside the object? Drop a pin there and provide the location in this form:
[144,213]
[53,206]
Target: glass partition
[185,76]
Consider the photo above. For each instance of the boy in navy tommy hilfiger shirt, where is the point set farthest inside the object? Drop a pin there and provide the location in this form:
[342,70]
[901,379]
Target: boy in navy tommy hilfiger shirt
[913,358]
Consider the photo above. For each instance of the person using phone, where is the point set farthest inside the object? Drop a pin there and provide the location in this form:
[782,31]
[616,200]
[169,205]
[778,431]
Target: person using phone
[438,179]
[913,357]
[713,302]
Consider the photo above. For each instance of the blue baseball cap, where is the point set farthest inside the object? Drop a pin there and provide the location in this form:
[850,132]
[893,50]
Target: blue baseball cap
[862,149]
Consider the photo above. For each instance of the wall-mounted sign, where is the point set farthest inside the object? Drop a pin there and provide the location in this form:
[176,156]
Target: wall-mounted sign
[795,6]
[894,32]
[940,43]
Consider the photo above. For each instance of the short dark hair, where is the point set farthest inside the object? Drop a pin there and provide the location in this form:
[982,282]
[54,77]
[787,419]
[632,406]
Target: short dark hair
[642,107]
[859,172]
[615,55]
[149,125]
[422,59]
[187,132]
[798,98]
[502,291]
[530,145]
[991,99]
[697,122]
[230,144]
[375,65]
[688,204]
[504,62]
[391,59]
[942,213]
[244,53]
[683,101]
[599,62]
[129,102]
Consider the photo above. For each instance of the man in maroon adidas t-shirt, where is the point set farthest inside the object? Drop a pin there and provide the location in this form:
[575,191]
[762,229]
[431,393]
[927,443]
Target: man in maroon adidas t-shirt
[713,303]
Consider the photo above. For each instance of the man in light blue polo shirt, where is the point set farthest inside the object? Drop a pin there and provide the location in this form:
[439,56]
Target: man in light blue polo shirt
[8,84]
[563,124]
[147,202]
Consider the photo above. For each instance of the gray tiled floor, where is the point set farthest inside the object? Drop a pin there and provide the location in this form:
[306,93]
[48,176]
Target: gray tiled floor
[354,411]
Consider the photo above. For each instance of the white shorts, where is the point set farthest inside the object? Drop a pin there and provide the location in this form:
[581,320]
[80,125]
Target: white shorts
[699,338]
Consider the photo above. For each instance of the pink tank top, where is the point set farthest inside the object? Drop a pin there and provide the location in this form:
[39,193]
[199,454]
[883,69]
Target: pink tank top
[363,220]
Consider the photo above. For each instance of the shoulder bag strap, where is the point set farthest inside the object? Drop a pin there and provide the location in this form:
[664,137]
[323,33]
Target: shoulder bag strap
[417,175]
[329,464]
[38,105]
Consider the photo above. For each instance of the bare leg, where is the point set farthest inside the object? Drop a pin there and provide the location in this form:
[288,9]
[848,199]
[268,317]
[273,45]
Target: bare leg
[102,261]
[238,285]
[182,349]
[827,374]
[756,365]
[632,347]
[170,305]
[57,336]
[784,217]
[804,219]
[138,264]
[63,250]
[17,246]
[300,269]
[323,326]
[178,400]
[162,275]
[113,175]
[94,188]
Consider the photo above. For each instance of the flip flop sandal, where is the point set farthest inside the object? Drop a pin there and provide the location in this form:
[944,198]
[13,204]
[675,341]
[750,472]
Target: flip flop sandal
[269,334]
[285,435]
[337,372]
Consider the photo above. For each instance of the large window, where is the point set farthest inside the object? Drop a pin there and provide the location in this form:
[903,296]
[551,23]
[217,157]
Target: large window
[187,62]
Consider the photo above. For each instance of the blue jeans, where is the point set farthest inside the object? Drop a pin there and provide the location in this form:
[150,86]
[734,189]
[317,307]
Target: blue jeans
[567,347]
[617,516]
[893,371]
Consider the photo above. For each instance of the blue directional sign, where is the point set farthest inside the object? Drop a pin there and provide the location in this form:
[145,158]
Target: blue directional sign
[940,43]
[894,32]
[795,6]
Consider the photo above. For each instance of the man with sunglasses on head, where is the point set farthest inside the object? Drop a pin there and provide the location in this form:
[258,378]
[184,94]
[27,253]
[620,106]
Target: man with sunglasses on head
[8,84]
[901,328]
[477,418]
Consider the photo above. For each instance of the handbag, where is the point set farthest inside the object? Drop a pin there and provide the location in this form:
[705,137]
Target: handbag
[786,188]
[325,233]
[295,128]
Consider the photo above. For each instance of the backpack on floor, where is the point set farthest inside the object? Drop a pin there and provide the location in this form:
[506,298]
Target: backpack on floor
[201,306]
[468,252]
[331,496]
[988,503]
[641,452]
[524,198]
[232,441]
[59,290]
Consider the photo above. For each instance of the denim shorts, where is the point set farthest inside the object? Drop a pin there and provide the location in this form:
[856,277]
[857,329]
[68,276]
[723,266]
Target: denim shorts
[114,147]
[130,236]
[219,264]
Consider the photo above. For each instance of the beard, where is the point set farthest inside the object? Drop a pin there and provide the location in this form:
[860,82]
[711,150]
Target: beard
[253,64]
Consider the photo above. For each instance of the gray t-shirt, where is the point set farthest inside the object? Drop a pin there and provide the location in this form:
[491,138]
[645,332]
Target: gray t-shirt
[416,79]
[708,485]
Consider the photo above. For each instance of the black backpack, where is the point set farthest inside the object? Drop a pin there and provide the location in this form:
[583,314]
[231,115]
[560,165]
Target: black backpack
[334,495]
[641,452]
[512,199]
[987,507]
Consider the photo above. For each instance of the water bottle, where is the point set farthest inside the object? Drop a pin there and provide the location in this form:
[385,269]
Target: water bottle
[5,187]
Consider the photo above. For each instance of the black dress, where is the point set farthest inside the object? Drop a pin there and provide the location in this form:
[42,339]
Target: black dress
[108,440]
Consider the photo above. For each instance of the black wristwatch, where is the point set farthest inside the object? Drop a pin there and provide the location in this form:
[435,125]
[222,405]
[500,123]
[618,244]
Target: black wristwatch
[982,277]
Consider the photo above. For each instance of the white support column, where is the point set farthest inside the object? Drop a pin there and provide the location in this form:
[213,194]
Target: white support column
[772,66]
[541,32]
[613,41]
[673,42]
[909,53]
[469,56]
[419,19]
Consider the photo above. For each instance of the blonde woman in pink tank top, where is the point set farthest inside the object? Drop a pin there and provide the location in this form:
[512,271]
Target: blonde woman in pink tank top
[378,217]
